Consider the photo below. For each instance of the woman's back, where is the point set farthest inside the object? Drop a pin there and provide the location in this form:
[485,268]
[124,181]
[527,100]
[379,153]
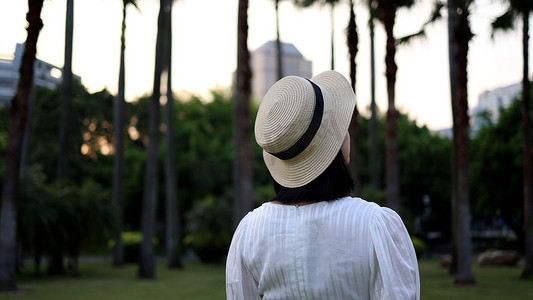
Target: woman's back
[340,249]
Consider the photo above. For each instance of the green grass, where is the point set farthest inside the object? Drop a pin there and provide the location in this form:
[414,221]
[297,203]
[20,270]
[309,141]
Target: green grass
[498,283]
[100,281]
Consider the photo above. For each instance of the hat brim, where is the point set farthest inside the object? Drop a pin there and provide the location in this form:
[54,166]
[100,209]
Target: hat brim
[339,103]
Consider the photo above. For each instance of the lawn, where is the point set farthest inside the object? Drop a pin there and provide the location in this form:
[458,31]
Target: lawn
[100,281]
[198,281]
[498,283]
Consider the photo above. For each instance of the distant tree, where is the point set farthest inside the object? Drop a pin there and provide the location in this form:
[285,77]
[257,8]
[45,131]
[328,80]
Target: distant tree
[242,165]
[308,3]
[146,263]
[18,113]
[56,261]
[118,249]
[387,13]
[462,234]
[521,9]
[452,25]
[279,56]
[459,35]
[374,149]
[66,94]
[173,232]
[352,40]
[496,149]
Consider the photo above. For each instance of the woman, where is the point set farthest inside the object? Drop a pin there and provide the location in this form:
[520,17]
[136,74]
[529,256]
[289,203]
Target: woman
[313,241]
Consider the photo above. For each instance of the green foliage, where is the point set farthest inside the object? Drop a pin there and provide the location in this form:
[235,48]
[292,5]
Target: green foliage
[424,169]
[204,145]
[377,196]
[209,228]
[134,161]
[425,160]
[90,132]
[62,217]
[420,246]
[204,160]
[131,241]
[496,168]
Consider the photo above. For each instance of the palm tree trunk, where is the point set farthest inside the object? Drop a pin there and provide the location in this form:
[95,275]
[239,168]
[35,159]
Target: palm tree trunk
[118,249]
[18,113]
[352,41]
[55,266]
[242,163]
[374,169]
[66,94]
[526,136]
[452,27]
[279,55]
[146,263]
[27,132]
[388,15]
[332,4]
[172,233]
[464,275]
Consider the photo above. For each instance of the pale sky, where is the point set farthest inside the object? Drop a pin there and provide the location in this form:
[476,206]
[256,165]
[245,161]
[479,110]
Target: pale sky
[205,40]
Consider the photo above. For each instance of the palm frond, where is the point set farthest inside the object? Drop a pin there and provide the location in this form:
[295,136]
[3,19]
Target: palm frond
[408,38]
[133,3]
[435,16]
[374,11]
[307,3]
[304,3]
[504,22]
[436,13]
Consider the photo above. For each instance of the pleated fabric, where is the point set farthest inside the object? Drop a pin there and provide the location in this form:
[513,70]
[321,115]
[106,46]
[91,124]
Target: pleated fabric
[344,249]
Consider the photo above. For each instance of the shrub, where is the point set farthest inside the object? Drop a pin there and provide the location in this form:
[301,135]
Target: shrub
[131,240]
[209,229]
[420,246]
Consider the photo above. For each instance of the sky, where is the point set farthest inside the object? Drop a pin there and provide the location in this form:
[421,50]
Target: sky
[205,43]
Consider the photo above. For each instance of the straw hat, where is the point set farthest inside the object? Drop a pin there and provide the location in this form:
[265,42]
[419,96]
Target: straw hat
[301,125]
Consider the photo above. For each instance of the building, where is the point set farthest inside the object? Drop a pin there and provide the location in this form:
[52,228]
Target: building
[263,62]
[446,132]
[45,75]
[493,102]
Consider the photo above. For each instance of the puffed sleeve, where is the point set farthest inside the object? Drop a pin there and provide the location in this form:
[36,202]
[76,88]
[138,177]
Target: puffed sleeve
[240,283]
[394,266]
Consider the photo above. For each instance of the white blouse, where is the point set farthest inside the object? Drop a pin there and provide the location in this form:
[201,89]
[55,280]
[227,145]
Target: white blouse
[344,249]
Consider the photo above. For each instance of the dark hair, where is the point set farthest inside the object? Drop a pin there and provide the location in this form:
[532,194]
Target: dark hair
[334,183]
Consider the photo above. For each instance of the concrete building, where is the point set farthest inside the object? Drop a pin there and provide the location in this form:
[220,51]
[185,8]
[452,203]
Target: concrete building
[264,66]
[492,102]
[45,75]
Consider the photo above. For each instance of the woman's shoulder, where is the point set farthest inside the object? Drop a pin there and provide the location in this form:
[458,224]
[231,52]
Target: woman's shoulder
[356,203]
[371,210]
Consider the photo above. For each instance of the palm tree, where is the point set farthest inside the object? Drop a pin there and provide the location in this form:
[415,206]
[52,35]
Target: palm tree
[452,25]
[332,18]
[352,41]
[387,13]
[373,132]
[56,262]
[172,234]
[307,3]
[146,262]
[278,43]
[118,249]
[461,37]
[18,113]
[242,163]
[66,93]
[516,10]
